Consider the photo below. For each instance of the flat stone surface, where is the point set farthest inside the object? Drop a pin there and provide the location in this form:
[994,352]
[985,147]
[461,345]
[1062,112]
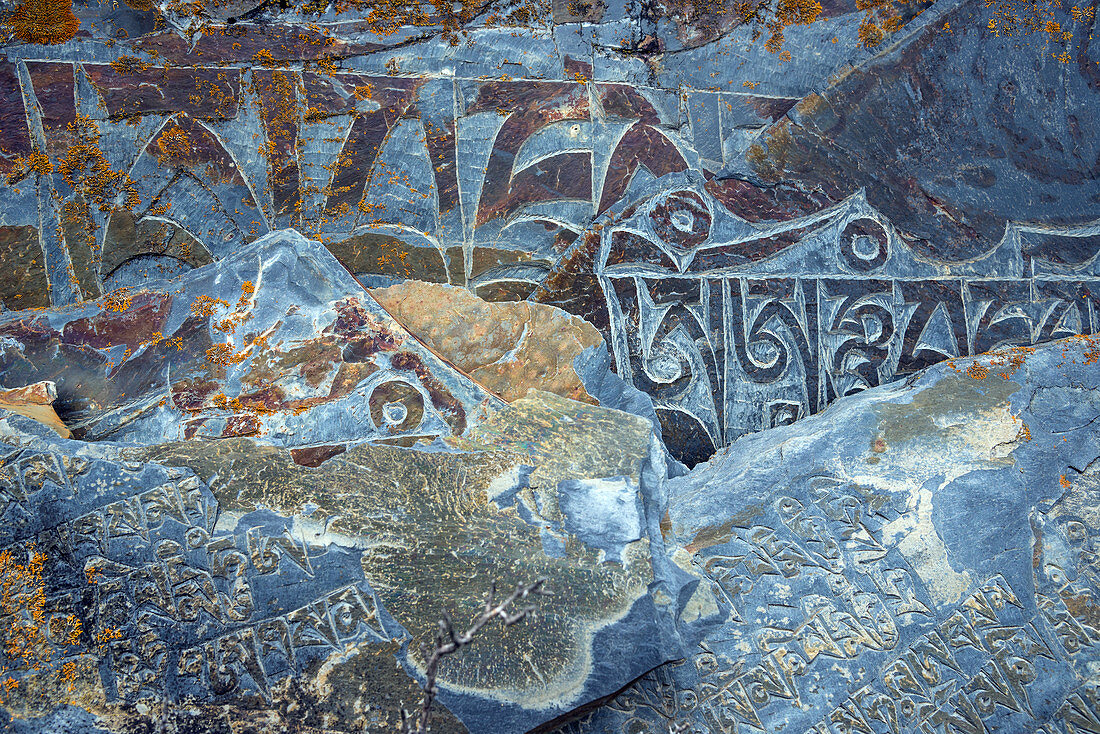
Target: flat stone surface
[233,585]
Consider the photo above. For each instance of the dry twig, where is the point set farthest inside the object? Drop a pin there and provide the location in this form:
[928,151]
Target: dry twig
[447,642]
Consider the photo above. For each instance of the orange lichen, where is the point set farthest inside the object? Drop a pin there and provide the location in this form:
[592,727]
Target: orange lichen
[978,371]
[118,300]
[129,65]
[1009,18]
[230,323]
[1092,351]
[34,162]
[86,169]
[1010,360]
[1064,482]
[203,306]
[44,21]
[29,637]
[224,355]
[175,147]
[247,289]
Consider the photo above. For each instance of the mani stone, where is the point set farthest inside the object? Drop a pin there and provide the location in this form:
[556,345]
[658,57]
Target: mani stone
[228,585]
[921,557]
[277,340]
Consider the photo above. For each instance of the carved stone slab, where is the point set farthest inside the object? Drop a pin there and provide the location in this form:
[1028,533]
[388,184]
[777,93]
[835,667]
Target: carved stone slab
[918,558]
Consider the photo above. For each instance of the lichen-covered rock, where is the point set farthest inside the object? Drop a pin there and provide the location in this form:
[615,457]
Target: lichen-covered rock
[278,341]
[235,583]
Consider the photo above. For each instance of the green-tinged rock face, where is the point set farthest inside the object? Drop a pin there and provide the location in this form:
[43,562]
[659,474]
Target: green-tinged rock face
[434,541]
[569,440]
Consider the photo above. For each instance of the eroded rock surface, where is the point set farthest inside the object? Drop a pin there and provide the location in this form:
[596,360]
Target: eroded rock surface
[291,273]
[920,557]
[222,581]
[507,348]
[265,342]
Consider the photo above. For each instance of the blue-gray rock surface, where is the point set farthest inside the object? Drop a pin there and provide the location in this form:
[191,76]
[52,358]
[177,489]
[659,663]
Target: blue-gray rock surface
[760,330]
[921,557]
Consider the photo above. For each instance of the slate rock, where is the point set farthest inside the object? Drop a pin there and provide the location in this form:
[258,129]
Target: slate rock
[261,343]
[35,401]
[919,557]
[227,583]
[976,152]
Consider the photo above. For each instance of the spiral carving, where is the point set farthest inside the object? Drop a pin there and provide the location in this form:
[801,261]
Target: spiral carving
[396,407]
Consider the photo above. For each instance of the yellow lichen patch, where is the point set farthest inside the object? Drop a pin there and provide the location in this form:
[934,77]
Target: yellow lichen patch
[118,300]
[203,306]
[129,65]
[978,371]
[44,21]
[247,289]
[175,147]
[29,636]
[86,169]
[34,162]
[1009,18]
[224,355]
[230,323]
[263,57]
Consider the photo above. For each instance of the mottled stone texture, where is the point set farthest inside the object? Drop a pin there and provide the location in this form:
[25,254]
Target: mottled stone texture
[827,218]
[919,557]
[1004,127]
[316,322]
[251,345]
[506,348]
[920,554]
[225,584]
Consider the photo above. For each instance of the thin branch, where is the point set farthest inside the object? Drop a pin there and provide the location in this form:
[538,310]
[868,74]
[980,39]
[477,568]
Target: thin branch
[448,642]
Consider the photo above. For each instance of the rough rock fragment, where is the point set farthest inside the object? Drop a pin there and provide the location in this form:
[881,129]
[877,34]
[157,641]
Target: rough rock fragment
[921,554]
[508,348]
[229,573]
[35,401]
[252,344]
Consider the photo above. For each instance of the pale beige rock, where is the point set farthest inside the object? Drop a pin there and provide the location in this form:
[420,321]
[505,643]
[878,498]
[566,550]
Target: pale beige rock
[508,347]
[35,401]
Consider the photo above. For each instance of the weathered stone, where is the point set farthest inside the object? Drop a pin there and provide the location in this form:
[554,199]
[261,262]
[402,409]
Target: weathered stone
[250,345]
[279,489]
[290,587]
[983,150]
[35,401]
[920,554]
[506,348]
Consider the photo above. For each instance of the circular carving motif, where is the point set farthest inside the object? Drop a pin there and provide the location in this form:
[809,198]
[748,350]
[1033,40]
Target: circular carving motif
[864,244]
[396,406]
[682,220]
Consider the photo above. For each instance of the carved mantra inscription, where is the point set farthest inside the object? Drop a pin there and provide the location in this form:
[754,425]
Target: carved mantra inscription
[829,631]
[733,329]
[182,609]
